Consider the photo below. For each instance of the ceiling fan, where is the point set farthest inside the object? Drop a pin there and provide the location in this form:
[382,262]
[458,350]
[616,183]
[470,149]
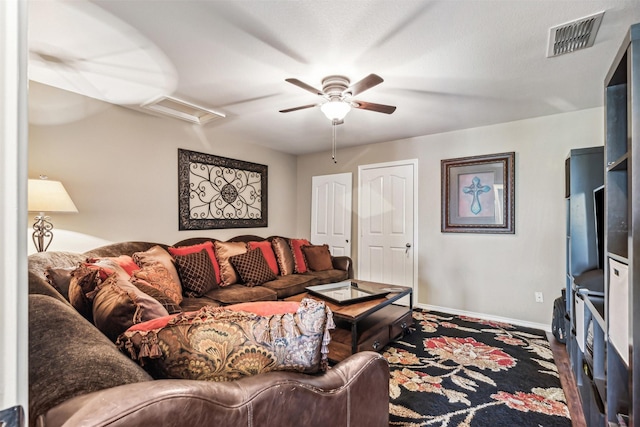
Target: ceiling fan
[338,96]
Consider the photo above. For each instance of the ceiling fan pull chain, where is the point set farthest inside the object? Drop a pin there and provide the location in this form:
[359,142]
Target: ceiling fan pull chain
[333,145]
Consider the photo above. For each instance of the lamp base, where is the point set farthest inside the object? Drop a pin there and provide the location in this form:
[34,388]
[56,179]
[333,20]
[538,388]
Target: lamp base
[42,234]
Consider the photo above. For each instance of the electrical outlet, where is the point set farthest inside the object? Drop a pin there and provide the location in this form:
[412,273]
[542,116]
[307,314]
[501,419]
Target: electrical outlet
[539,297]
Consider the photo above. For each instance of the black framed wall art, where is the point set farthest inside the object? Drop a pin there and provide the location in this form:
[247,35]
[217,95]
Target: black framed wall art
[218,192]
[478,194]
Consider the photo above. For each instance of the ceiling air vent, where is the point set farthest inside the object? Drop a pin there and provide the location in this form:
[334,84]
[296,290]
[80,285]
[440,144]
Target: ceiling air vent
[182,110]
[574,35]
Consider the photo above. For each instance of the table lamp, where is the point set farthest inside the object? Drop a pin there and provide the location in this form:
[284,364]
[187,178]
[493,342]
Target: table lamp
[46,196]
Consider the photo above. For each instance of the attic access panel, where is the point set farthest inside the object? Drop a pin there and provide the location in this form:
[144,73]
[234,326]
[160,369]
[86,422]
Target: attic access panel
[217,192]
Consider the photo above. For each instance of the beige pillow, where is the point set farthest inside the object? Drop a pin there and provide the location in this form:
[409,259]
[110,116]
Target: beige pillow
[225,250]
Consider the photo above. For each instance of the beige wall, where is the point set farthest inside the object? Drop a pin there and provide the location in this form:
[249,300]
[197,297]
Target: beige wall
[120,168]
[494,274]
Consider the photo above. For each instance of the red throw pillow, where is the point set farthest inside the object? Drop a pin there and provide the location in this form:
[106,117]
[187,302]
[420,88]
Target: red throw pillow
[106,267]
[300,266]
[124,261]
[186,250]
[266,308]
[269,255]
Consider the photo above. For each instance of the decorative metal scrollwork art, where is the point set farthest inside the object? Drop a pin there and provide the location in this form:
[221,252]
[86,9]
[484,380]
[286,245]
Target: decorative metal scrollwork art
[218,192]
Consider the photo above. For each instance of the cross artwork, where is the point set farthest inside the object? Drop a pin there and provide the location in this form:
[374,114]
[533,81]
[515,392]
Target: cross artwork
[476,189]
[478,194]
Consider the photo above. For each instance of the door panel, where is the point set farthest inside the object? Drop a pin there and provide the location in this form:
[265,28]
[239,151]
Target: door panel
[387,249]
[331,212]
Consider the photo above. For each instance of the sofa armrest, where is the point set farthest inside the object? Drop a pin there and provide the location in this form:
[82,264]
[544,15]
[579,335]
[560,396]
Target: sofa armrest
[343,263]
[353,393]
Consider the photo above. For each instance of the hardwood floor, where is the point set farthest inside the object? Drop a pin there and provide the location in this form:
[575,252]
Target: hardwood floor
[561,359]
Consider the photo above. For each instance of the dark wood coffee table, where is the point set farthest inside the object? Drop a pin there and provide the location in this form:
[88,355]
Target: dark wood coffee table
[367,325]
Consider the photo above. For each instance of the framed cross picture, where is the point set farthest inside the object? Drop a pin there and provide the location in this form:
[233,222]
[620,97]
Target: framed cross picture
[478,194]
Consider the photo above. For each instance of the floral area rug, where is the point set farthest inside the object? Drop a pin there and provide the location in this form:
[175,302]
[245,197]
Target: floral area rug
[467,372]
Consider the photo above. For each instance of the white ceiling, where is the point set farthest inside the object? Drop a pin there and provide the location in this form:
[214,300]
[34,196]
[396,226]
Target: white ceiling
[447,65]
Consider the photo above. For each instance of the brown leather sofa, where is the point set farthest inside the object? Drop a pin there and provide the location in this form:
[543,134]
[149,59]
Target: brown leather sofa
[78,377]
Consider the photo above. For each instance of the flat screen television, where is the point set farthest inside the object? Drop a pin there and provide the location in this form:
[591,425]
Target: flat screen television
[598,210]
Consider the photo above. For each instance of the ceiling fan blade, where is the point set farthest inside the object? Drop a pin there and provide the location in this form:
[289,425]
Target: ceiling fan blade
[305,86]
[302,107]
[378,108]
[367,83]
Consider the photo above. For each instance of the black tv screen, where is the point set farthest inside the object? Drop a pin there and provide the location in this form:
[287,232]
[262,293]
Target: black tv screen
[598,205]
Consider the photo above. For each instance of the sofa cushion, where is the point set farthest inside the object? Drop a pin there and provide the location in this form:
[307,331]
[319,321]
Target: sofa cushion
[252,267]
[196,273]
[222,344]
[293,284]
[318,257]
[237,293]
[156,275]
[267,251]
[300,265]
[328,276]
[284,256]
[208,246]
[118,305]
[154,255]
[69,357]
[195,304]
[224,251]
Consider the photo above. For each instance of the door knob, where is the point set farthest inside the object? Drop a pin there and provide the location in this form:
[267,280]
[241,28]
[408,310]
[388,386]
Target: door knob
[408,246]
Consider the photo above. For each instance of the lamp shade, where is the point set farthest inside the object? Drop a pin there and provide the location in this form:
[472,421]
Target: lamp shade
[49,196]
[335,109]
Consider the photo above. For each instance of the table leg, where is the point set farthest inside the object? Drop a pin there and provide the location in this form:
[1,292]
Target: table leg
[354,338]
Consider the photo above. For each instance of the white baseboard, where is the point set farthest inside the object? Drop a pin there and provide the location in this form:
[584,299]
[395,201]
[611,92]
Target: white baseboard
[545,327]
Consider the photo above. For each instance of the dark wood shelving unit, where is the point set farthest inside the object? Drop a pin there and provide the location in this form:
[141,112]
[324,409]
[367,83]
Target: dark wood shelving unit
[622,238]
[585,305]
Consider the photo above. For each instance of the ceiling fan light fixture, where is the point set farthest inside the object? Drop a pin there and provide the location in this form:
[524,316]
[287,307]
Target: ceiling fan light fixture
[335,110]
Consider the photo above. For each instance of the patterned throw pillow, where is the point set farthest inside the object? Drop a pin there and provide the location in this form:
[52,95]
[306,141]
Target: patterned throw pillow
[168,303]
[300,265]
[220,344]
[284,255]
[252,267]
[318,257]
[154,255]
[185,250]
[267,251]
[196,273]
[224,251]
[158,277]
